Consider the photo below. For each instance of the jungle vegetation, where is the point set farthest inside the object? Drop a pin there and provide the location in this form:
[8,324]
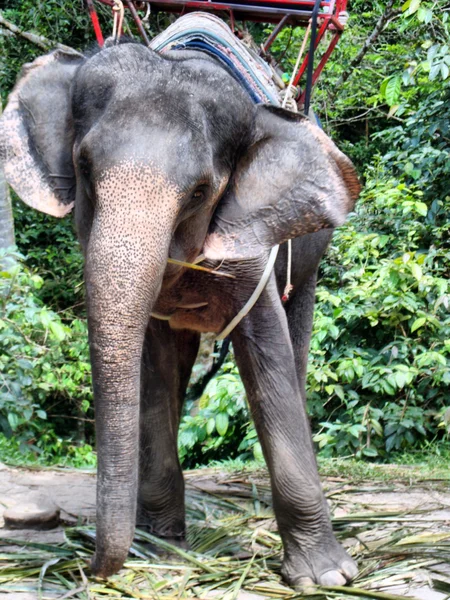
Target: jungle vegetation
[380,357]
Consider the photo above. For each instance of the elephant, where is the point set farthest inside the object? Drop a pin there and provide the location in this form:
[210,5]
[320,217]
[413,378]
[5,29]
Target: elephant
[167,157]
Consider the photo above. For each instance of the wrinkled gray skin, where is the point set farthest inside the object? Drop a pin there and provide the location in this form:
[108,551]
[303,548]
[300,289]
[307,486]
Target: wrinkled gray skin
[168,157]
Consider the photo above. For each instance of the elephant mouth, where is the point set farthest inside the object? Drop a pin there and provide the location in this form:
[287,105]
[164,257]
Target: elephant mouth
[179,307]
[176,266]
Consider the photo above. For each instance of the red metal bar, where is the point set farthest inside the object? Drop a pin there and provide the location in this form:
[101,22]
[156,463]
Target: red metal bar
[241,9]
[95,22]
[254,10]
[273,36]
[336,23]
[325,57]
[320,35]
[296,3]
[322,63]
[232,22]
[138,22]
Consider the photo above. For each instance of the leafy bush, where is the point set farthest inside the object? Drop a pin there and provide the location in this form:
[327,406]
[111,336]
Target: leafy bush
[380,354]
[380,365]
[419,147]
[217,426]
[45,386]
[52,250]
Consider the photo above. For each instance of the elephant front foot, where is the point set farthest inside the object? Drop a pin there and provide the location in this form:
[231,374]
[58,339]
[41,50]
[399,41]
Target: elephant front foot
[167,526]
[161,510]
[323,563]
[171,531]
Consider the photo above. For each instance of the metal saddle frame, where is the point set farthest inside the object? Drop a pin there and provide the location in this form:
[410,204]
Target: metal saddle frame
[318,17]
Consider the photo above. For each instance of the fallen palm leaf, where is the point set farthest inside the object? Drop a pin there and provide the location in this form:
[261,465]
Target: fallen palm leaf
[225,522]
[424,538]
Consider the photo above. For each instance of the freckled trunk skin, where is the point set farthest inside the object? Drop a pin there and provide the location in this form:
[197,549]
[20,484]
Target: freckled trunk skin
[125,261]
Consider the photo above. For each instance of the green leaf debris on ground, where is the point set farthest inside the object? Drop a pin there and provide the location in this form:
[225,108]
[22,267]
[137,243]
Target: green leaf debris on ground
[394,523]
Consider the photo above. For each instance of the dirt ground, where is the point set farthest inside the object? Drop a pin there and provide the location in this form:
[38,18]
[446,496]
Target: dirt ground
[374,520]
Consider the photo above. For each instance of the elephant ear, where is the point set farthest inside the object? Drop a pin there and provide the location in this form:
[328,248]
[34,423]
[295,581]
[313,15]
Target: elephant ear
[292,180]
[36,134]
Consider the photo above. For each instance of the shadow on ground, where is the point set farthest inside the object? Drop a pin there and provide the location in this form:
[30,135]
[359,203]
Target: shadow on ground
[399,532]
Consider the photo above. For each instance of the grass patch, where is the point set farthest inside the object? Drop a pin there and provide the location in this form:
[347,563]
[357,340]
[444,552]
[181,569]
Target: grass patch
[61,453]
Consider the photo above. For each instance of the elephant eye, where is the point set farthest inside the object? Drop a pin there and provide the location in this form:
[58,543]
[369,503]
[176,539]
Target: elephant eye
[196,199]
[198,195]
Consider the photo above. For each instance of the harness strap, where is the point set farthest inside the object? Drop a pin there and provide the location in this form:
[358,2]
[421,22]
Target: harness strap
[254,297]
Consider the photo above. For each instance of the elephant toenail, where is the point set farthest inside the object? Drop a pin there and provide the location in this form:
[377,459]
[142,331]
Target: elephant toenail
[349,569]
[303,583]
[332,578]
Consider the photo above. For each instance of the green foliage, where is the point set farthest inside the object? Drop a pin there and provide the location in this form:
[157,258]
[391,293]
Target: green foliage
[217,426]
[59,453]
[52,250]
[44,365]
[59,21]
[56,20]
[380,350]
[419,149]
[409,60]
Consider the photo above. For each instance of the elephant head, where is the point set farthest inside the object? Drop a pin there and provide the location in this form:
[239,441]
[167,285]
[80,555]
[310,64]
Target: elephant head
[160,156]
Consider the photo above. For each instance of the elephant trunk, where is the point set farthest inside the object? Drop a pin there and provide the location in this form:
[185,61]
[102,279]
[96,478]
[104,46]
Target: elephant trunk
[125,261]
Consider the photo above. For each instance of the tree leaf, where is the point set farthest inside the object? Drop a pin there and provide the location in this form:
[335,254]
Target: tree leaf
[416,271]
[57,330]
[222,423]
[413,6]
[418,323]
[393,88]
[393,110]
[45,317]
[13,421]
[421,208]
[210,425]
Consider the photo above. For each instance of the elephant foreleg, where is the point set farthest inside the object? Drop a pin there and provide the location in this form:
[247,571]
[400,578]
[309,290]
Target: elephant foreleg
[266,362]
[300,313]
[167,361]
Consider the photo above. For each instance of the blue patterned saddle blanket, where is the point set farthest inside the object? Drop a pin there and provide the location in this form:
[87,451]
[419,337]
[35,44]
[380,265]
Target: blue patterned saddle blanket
[206,32]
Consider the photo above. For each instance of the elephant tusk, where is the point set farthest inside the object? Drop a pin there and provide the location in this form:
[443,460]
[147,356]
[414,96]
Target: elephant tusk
[161,317]
[191,306]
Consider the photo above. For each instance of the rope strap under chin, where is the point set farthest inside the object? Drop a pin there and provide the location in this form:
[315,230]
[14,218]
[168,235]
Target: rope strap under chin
[254,297]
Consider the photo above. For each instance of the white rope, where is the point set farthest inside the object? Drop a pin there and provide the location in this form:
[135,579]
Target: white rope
[118,12]
[297,63]
[254,297]
[147,14]
[288,287]
[287,96]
